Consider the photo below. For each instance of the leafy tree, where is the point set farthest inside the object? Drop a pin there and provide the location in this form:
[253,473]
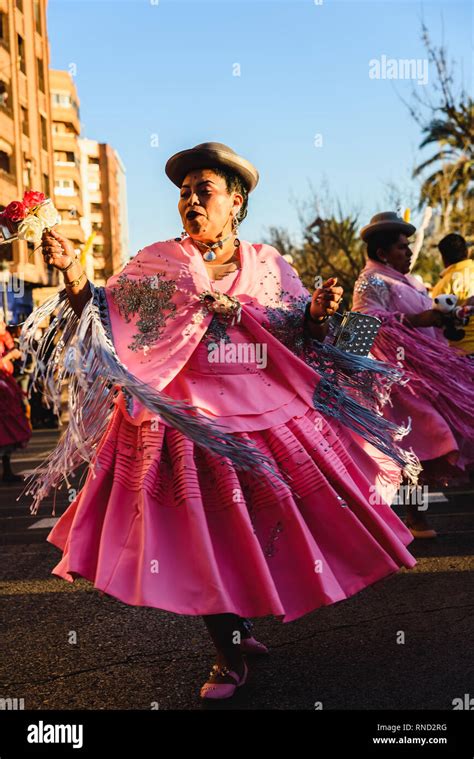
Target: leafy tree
[447,123]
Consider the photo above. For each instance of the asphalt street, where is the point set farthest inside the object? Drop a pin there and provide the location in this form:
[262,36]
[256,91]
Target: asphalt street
[345,656]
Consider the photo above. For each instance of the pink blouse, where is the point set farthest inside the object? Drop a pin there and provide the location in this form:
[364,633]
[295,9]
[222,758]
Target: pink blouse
[242,390]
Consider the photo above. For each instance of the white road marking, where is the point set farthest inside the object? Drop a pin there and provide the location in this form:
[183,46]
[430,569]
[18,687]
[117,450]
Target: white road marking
[42,524]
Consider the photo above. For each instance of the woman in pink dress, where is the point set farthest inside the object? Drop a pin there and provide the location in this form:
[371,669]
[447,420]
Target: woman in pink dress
[15,431]
[225,478]
[439,397]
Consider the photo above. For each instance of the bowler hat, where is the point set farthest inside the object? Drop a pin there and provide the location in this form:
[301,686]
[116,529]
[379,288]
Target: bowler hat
[387,221]
[206,156]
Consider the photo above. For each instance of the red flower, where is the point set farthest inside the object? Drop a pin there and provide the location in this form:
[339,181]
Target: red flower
[15,211]
[33,198]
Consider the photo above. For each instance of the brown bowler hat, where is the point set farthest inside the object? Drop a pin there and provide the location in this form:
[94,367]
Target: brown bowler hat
[386,222]
[205,156]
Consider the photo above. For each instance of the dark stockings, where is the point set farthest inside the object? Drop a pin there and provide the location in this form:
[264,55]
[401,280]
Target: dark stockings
[224,630]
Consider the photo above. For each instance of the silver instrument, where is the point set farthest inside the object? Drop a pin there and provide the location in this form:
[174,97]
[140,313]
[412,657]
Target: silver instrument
[353,332]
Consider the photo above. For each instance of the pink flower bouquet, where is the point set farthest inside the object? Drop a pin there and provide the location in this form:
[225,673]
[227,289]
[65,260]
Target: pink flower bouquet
[27,219]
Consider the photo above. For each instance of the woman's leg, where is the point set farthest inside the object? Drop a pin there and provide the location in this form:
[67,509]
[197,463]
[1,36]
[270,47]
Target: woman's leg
[8,475]
[226,631]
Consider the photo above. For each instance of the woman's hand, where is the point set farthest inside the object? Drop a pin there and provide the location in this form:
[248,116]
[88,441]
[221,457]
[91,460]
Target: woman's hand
[326,299]
[57,250]
[430,318]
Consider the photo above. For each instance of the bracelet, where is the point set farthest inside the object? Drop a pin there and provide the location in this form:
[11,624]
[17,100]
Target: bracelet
[74,282]
[308,317]
[69,265]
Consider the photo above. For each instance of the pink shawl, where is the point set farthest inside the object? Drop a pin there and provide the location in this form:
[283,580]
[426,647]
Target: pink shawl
[136,333]
[437,373]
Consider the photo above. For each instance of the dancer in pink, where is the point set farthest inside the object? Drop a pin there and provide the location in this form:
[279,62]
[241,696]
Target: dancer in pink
[225,479]
[15,430]
[439,397]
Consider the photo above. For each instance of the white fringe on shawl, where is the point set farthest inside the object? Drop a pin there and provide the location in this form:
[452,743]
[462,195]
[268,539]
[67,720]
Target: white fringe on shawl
[85,357]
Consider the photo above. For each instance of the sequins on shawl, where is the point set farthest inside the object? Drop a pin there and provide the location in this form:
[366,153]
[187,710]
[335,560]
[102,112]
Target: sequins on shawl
[150,298]
[217,331]
[286,321]
[226,311]
[372,284]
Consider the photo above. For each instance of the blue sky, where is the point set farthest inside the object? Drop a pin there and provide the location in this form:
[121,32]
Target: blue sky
[165,68]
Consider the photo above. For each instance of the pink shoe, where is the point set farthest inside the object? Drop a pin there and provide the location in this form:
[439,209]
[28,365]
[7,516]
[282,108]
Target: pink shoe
[223,690]
[251,646]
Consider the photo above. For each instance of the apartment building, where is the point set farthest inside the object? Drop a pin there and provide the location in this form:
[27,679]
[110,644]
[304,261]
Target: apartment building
[66,130]
[105,207]
[41,148]
[26,151]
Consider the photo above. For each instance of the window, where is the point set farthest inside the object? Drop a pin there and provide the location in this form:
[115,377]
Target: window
[21,53]
[24,120]
[61,183]
[93,160]
[46,185]
[37,13]
[4,161]
[44,133]
[59,127]
[27,166]
[96,207]
[97,226]
[19,5]
[64,156]
[66,187]
[61,99]
[3,94]
[3,27]
[39,62]
[64,100]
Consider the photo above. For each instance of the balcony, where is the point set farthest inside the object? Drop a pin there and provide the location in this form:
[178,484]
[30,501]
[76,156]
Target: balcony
[68,115]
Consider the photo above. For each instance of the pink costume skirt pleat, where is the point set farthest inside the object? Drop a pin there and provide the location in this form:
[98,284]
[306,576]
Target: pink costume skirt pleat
[166,524]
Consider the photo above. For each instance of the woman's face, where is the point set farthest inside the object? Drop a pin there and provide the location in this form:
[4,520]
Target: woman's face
[398,256]
[205,206]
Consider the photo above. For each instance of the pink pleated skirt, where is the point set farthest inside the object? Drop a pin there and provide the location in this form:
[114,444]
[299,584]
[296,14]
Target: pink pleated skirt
[168,525]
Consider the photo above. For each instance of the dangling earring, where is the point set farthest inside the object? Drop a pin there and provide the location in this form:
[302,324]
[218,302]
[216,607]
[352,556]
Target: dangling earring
[183,235]
[235,229]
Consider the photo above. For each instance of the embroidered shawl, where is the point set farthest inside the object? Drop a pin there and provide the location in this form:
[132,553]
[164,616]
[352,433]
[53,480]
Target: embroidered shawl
[137,332]
[436,371]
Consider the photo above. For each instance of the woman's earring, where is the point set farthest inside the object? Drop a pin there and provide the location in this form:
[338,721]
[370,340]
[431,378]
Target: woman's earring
[235,230]
[183,234]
